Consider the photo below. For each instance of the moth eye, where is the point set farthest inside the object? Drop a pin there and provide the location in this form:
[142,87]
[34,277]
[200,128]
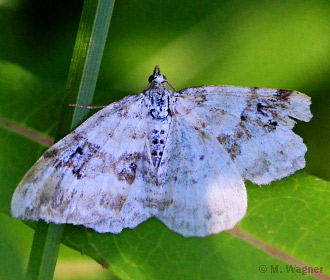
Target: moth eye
[151,78]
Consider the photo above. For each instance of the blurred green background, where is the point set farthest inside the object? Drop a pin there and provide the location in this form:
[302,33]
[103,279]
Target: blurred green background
[276,44]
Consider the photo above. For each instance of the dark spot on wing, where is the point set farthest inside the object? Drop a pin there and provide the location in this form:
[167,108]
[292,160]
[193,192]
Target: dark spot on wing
[254,90]
[283,94]
[126,167]
[77,159]
[77,137]
[243,117]
[243,131]
[260,108]
[271,125]
[79,151]
[200,98]
[230,143]
[51,153]
[123,113]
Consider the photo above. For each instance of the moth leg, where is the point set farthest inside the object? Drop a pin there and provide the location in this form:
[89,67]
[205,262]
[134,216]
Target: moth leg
[87,107]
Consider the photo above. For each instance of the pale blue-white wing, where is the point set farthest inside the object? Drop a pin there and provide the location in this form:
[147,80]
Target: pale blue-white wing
[202,191]
[95,175]
[253,124]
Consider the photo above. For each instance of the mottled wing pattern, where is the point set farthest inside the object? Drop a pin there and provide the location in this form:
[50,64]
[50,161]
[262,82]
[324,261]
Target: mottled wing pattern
[253,124]
[203,192]
[95,175]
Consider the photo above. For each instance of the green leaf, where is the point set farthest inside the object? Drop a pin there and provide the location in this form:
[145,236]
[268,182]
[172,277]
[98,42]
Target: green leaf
[28,100]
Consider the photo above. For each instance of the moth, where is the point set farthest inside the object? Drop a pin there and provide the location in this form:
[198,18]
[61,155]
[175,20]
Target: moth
[180,156]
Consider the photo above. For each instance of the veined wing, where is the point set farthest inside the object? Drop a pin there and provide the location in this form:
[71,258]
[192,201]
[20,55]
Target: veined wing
[94,176]
[203,193]
[253,124]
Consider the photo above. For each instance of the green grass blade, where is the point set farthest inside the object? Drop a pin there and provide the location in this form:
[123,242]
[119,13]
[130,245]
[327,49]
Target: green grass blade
[85,64]
[81,82]
[45,247]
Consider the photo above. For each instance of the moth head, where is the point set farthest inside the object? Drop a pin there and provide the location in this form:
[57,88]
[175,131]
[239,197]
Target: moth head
[157,77]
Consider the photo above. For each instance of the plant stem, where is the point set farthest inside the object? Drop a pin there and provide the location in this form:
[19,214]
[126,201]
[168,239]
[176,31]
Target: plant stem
[80,86]
[45,247]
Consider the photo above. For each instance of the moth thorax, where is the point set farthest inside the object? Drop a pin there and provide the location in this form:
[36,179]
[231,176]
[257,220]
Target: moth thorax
[159,103]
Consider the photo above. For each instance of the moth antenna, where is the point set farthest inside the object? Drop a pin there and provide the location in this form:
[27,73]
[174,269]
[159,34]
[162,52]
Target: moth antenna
[171,86]
[87,107]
